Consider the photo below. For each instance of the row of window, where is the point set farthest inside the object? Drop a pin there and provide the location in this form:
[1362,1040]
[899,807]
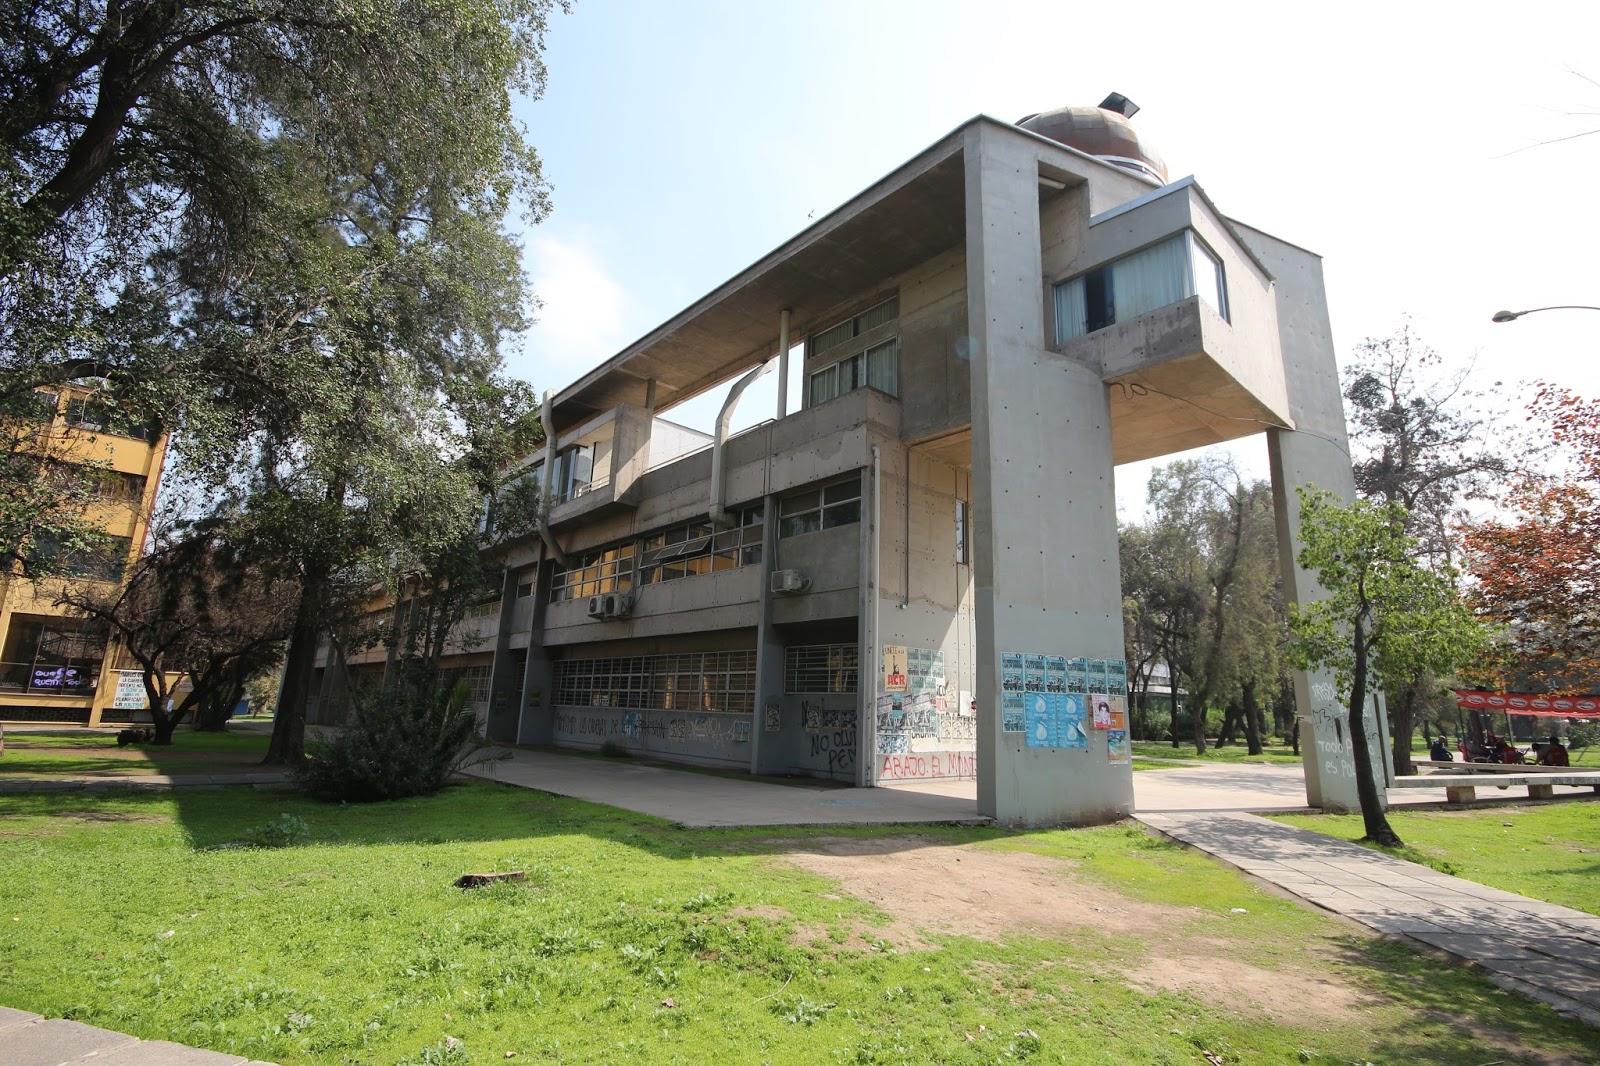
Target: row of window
[821,668]
[709,681]
[698,547]
[876,367]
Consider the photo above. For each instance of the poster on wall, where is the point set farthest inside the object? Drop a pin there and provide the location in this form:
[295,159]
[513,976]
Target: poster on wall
[967,707]
[130,691]
[1108,712]
[1117,670]
[1117,746]
[772,717]
[1033,673]
[1011,712]
[1041,721]
[1010,672]
[895,678]
[1056,674]
[1099,676]
[1078,675]
[1074,717]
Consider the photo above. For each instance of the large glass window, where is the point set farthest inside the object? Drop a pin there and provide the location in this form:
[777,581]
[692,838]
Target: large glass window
[700,548]
[707,682]
[1156,276]
[821,668]
[838,504]
[875,367]
[52,656]
[592,573]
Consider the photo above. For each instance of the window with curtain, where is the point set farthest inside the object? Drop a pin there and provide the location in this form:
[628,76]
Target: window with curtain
[875,367]
[1153,277]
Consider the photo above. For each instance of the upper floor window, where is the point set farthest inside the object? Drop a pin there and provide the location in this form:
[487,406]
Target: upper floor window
[101,415]
[1157,276]
[875,367]
[700,548]
[838,504]
[591,573]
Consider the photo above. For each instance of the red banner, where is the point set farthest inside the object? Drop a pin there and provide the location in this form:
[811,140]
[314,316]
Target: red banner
[1528,703]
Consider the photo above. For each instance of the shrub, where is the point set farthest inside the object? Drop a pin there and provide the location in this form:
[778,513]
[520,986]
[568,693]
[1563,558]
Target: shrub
[284,832]
[403,740]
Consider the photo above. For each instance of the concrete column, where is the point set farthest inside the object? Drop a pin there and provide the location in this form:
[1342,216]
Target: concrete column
[501,723]
[1045,565]
[1316,452]
[764,748]
[536,724]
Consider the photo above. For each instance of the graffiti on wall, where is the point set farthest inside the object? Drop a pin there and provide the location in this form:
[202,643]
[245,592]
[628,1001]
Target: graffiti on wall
[908,766]
[716,732]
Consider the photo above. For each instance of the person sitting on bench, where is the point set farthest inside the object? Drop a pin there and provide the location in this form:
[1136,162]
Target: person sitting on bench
[1440,752]
[1554,754]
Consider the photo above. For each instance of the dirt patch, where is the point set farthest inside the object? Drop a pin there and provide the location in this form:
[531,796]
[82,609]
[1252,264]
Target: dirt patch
[1284,996]
[109,816]
[765,910]
[145,754]
[958,888]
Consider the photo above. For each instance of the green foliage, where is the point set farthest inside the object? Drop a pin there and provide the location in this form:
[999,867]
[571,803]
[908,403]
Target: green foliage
[1412,619]
[285,831]
[405,740]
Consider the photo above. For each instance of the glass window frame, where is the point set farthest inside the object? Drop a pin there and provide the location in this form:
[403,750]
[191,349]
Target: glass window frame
[1094,291]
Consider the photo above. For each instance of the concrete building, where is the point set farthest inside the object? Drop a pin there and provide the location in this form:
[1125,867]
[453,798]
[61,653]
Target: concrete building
[55,667]
[914,574]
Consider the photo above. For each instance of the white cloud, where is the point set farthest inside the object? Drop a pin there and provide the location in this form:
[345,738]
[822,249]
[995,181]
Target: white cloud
[585,317]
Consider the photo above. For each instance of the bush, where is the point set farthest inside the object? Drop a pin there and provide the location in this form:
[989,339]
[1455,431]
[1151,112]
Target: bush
[1583,735]
[402,741]
[284,832]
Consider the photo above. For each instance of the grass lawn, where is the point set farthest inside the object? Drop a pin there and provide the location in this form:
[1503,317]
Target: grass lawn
[39,754]
[1234,753]
[632,941]
[1549,852]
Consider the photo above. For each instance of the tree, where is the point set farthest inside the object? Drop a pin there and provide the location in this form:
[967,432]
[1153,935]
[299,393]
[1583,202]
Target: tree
[1537,573]
[49,480]
[1385,615]
[1417,442]
[192,610]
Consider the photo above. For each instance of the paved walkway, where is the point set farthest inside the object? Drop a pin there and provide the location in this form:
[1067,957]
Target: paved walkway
[708,800]
[29,1040]
[139,781]
[1545,951]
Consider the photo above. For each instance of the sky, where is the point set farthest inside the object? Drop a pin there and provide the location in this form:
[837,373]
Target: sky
[1413,146]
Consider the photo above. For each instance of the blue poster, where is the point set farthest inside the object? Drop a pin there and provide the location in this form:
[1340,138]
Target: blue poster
[1011,713]
[1042,720]
[1056,674]
[1072,722]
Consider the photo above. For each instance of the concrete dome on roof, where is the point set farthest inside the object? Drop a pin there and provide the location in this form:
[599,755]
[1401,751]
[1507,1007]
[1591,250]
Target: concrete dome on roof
[1101,133]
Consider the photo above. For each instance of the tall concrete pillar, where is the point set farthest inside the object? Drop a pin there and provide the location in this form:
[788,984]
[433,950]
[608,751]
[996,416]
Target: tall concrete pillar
[1316,452]
[1045,564]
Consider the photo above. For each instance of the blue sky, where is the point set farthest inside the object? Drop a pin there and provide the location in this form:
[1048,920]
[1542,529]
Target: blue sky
[685,140]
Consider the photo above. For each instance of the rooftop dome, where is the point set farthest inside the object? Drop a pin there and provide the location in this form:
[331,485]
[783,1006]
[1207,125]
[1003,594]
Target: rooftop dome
[1103,132]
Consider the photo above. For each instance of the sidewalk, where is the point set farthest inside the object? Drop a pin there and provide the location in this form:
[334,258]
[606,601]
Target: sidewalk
[702,801]
[1548,952]
[29,1040]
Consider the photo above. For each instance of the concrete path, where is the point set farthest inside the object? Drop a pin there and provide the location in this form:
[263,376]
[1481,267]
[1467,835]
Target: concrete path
[708,800]
[150,782]
[1545,951]
[29,1040]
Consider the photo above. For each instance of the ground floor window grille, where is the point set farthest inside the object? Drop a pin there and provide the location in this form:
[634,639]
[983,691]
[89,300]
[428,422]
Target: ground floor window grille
[821,668]
[712,681]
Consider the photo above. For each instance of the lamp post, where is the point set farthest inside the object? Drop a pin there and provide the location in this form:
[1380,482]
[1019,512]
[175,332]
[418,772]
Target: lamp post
[1511,316]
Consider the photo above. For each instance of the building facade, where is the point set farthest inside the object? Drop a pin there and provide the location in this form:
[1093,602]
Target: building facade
[913,574]
[55,667]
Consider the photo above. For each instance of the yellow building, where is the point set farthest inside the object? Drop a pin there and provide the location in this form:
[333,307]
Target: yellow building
[55,667]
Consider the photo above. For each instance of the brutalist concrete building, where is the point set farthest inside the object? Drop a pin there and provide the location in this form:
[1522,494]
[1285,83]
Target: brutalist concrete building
[914,573]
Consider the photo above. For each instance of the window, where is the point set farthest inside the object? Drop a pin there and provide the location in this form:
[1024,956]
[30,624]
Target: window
[114,485]
[709,682]
[52,656]
[821,668]
[961,532]
[477,678]
[103,560]
[95,413]
[525,584]
[589,574]
[833,505]
[875,367]
[699,548]
[1160,275]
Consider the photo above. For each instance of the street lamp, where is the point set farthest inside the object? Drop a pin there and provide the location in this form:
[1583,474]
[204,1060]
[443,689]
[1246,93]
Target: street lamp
[1511,316]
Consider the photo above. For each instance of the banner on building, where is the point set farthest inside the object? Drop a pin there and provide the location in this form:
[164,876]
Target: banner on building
[130,691]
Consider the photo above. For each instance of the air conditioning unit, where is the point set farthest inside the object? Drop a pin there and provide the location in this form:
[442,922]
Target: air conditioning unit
[618,604]
[597,606]
[790,581]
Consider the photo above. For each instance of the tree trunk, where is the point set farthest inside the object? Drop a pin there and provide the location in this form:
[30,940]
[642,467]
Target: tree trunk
[1230,724]
[1402,721]
[288,745]
[1172,691]
[1294,737]
[1252,718]
[1373,818]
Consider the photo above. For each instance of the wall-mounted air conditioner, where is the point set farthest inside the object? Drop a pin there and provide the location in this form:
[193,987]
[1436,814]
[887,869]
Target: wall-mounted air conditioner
[618,604]
[597,606]
[790,581]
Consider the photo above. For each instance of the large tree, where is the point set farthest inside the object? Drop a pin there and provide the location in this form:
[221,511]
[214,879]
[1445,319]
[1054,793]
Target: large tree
[1385,615]
[1419,441]
[1536,571]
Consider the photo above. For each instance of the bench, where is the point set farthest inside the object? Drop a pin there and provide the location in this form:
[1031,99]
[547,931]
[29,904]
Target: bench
[1459,767]
[1462,787]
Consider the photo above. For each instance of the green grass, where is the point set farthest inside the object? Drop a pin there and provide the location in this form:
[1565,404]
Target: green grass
[635,942]
[1549,852]
[1234,753]
[44,754]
